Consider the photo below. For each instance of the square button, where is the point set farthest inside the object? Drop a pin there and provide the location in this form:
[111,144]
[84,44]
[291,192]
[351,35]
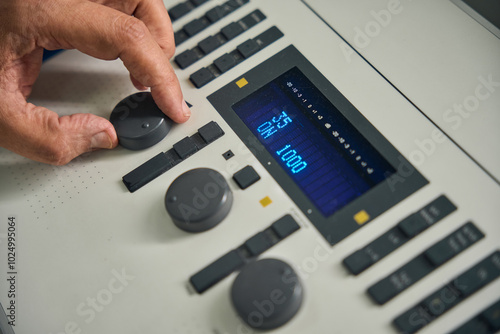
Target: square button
[246,177]
[179,11]
[232,30]
[248,48]
[225,63]
[201,77]
[258,244]
[210,132]
[216,13]
[180,36]
[209,44]
[285,226]
[186,58]
[195,26]
[185,148]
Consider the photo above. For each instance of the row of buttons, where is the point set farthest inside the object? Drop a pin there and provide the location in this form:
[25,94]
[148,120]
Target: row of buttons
[487,322]
[425,263]
[450,295]
[164,161]
[210,17]
[183,8]
[224,63]
[250,249]
[211,43]
[405,230]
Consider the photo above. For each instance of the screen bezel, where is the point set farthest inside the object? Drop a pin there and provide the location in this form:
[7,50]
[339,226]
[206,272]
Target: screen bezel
[374,202]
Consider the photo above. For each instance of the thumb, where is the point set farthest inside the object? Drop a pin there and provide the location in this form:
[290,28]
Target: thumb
[40,134]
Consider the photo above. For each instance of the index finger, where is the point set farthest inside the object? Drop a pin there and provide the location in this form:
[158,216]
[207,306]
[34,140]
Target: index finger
[106,33]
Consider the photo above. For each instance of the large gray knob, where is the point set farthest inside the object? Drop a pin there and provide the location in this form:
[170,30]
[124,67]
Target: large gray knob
[198,200]
[267,293]
[138,122]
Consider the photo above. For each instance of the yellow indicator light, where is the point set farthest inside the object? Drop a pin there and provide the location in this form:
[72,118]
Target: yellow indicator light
[242,82]
[265,201]
[361,217]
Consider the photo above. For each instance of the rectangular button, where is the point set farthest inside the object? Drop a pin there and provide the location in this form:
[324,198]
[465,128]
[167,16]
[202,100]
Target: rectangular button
[441,301]
[357,262]
[198,2]
[248,48]
[210,132]
[187,58]
[453,244]
[180,37]
[258,244]
[246,177]
[185,148]
[201,77]
[231,30]
[478,276]
[268,37]
[492,316]
[146,172]
[413,225]
[216,13]
[179,10]
[209,44]
[253,18]
[412,320]
[195,26]
[225,62]
[285,226]
[400,280]
[216,271]
[473,326]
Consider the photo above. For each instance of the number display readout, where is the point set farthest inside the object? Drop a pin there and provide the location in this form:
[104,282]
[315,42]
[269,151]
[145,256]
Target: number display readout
[322,152]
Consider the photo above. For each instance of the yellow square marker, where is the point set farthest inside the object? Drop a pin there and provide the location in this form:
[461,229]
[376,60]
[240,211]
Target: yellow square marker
[361,217]
[265,201]
[242,82]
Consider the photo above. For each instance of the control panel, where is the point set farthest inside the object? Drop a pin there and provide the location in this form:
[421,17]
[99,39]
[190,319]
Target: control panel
[339,174]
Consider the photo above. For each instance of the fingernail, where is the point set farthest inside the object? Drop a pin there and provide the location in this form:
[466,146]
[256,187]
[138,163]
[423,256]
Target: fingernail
[101,140]
[186,110]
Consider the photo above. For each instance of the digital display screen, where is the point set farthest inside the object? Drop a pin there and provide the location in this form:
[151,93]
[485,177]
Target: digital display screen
[323,153]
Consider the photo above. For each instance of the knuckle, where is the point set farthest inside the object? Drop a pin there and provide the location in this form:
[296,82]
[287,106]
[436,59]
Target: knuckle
[132,29]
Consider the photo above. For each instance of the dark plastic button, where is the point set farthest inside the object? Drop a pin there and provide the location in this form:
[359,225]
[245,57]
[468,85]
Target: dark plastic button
[216,271]
[225,63]
[357,262]
[246,177]
[390,286]
[441,301]
[492,316]
[209,44]
[138,122]
[473,326]
[180,37]
[248,48]
[232,30]
[198,2]
[216,13]
[452,245]
[412,320]
[146,172]
[479,275]
[179,11]
[267,293]
[187,58]
[185,148]
[201,77]
[412,225]
[285,226]
[195,26]
[258,244]
[210,132]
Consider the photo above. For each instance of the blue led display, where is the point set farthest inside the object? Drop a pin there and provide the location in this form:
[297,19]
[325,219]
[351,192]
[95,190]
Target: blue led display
[324,154]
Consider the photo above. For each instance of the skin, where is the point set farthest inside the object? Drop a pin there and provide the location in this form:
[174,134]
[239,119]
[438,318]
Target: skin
[139,32]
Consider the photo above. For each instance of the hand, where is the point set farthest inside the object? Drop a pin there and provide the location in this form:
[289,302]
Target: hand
[104,29]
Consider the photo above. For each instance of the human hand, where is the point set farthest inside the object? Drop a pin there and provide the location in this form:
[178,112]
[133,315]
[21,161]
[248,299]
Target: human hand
[104,29]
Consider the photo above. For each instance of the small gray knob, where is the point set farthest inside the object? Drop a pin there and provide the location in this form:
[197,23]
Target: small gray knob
[267,293]
[198,200]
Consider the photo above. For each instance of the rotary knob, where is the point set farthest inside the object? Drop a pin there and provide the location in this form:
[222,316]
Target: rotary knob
[138,122]
[267,294]
[198,200]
